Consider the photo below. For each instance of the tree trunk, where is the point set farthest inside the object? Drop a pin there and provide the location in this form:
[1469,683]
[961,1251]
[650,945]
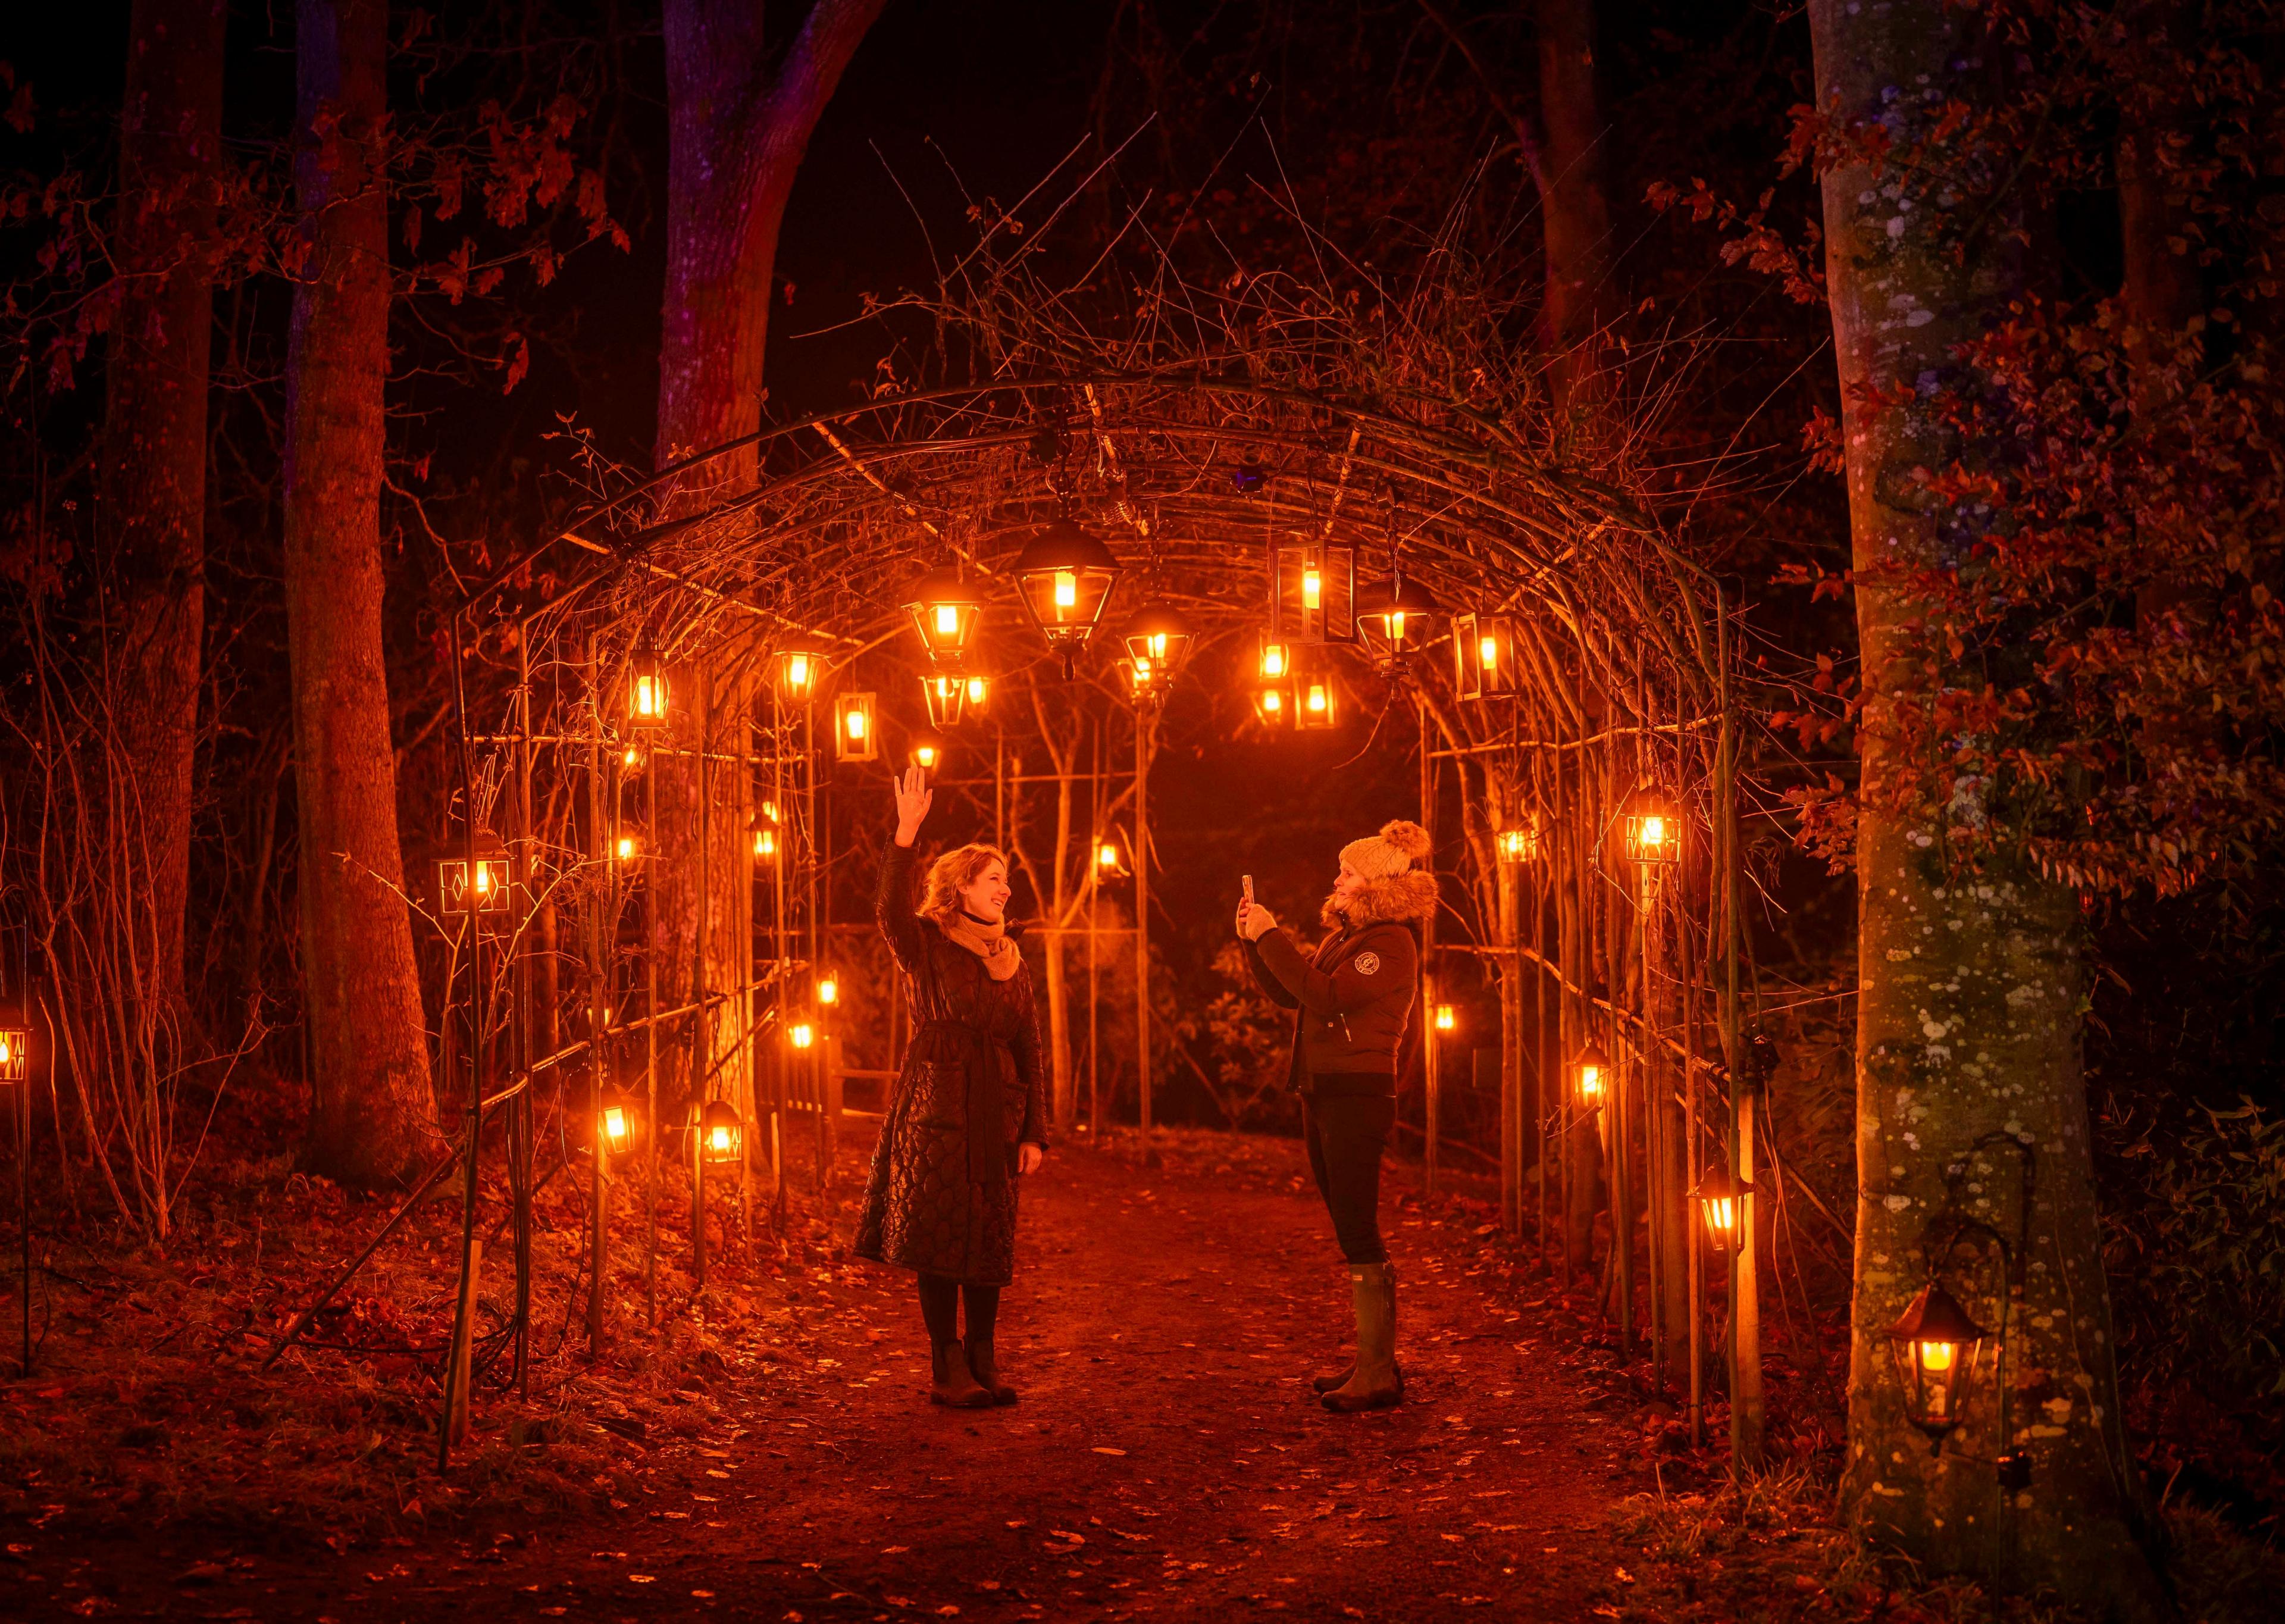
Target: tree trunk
[1575,206]
[374,1116]
[155,440]
[1967,1051]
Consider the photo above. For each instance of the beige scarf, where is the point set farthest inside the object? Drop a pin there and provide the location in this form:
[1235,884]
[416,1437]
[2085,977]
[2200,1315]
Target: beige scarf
[990,943]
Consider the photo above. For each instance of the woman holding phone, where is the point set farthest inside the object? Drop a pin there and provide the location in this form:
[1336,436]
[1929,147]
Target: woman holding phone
[968,1114]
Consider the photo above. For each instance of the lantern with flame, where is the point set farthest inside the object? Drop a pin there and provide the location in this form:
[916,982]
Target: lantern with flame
[799,666]
[1316,703]
[1065,576]
[1396,616]
[855,735]
[721,1135]
[632,760]
[491,884]
[1313,596]
[1448,1018]
[945,610]
[765,844]
[1276,660]
[926,750]
[1722,1201]
[1653,828]
[801,1032]
[1484,656]
[1106,858]
[1518,842]
[1273,703]
[1936,1345]
[1590,1077]
[617,1134]
[1157,633]
[947,694]
[829,989]
[15,1054]
[1145,680]
[979,689]
[647,697]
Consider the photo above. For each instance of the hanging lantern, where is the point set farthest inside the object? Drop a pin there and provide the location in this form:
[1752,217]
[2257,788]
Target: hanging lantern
[802,1034]
[1273,702]
[799,666]
[632,760]
[646,698]
[1106,857]
[947,694]
[1484,656]
[1448,1019]
[1590,1077]
[1276,660]
[927,749]
[1396,616]
[1313,596]
[829,989]
[1157,633]
[1065,576]
[1721,1202]
[1316,703]
[1935,1345]
[854,733]
[15,1054]
[721,1133]
[619,1134]
[629,848]
[491,884]
[1145,680]
[765,845]
[979,689]
[945,610]
[1519,843]
[1653,826]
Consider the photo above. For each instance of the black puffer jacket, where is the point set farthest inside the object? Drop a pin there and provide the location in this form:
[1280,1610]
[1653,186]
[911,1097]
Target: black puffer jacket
[1355,994]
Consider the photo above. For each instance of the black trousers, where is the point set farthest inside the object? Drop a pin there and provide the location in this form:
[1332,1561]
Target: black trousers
[1346,1134]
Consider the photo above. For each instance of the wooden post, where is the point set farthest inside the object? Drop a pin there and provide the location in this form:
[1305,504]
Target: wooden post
[1142,910]
[1745,1411]
[1431,1069]
[653,768]
[701,1027]
[464,1336]
[602,916]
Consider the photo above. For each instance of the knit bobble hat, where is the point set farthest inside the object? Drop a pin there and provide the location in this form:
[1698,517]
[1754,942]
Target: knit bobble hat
[1397,847]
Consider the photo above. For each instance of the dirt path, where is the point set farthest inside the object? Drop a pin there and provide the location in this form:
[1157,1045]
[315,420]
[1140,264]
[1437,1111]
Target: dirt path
[1168,1460]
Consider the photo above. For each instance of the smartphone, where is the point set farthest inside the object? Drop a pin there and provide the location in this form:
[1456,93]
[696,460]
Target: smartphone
[1246,879]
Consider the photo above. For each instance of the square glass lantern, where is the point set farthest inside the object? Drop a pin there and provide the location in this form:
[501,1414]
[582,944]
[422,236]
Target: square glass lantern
[856,728]
[1313,592]
[1484,656]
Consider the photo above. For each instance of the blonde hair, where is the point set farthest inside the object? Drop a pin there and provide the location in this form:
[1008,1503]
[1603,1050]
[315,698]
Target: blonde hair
[956,869]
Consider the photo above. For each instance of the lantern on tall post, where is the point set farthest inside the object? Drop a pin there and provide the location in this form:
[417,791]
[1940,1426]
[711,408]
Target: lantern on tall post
[1157,633]
[1065,576]
[646,695]
[1396,616]
[799,668]
[1484,657]
[1312,593]
[491,890]
[1937,1347]
[1651,826]
[946,696]
[856,731]
[945,609]
[721,1135]
[1721,1200]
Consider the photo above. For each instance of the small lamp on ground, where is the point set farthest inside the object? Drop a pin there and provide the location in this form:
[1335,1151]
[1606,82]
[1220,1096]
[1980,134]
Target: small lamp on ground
[945,610]
[1448,1018]
[855,735]
[1106,858]
[1590,1077]
[1937,1347]
[1721,1202]
[1065,576]
[721,1135]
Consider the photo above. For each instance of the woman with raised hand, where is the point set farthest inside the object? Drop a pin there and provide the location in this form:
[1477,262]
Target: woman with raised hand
[968,1115]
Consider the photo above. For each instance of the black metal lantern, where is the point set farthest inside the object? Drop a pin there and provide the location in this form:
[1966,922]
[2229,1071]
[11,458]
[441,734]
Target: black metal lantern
[1590,1077]
[1273,703]
[646,695]
[947,694]
[1519,843]
[615,1133]
[1937,1347]
[1653,827]
[1396,616]
[926,748]
[945,610]
[15,1054]
[977,688]
[492,886]
[1157,634]
[799,668]
[1145,680]
[721,1135]
[1316,703]
[1721,1202]
[1484,656]
[1313,595]
[1065,576]
[1275,659]
[856,728]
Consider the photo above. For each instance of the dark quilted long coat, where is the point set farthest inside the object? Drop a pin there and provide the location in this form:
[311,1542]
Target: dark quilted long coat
[942,1196]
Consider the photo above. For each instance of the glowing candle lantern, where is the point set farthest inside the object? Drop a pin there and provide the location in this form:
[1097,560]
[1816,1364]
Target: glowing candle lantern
[927,749]
[801,1034]
[491,888]
[1312,593]
[765,845]
[1145,680]
[1276,660]
[721,1133]
[1448,1018]
[855,737]
[1519,843]
[828,988]
[1590,1077]
[946,696]
[979,689]
[628,848]
[631,760]
[647,697]
[1271,704]
[1935,1347]
[1065,577]
[618,1131]
[1721,1203]
[15,1054]
[1318,706]
[1653,827]
[799,666]
[1157,633]
[1484,665]
[1395,616]
[945,609]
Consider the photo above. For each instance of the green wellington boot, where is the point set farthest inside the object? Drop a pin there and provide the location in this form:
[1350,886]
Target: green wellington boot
[950,1381]
[984,1364]
[1374,1383]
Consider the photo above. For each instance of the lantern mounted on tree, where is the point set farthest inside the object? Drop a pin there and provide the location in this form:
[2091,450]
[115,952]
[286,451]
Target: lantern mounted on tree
[646,696]
[947,694]
[1590,1077]
[926,750]
[15,1054]
[1721,1201]
[1653,828]
[1484,657]
[1396,616]
[1317,704]
[798,668]
[1065,576]
[945,609]
[1518,842]
[1313,595]
[1935,1347]
[855,735]
[491,884]
[721,1135]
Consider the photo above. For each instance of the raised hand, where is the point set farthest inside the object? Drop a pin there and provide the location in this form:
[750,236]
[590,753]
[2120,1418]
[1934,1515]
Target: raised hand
[913,797]
[1254,921]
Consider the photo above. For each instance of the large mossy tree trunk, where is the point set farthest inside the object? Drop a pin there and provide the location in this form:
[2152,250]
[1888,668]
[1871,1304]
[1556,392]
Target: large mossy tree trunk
[154,450]
[374,1116]
[1970,984]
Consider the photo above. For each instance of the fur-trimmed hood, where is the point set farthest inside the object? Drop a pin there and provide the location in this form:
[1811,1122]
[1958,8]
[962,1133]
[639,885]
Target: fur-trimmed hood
[1407,898]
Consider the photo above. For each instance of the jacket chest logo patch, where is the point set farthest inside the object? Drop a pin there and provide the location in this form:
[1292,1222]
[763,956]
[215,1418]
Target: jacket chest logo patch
[1367,963]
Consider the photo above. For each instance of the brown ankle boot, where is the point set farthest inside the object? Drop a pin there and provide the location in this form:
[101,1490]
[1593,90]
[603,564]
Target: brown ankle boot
[984,1364]
[1375,1383]
[950,1380]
